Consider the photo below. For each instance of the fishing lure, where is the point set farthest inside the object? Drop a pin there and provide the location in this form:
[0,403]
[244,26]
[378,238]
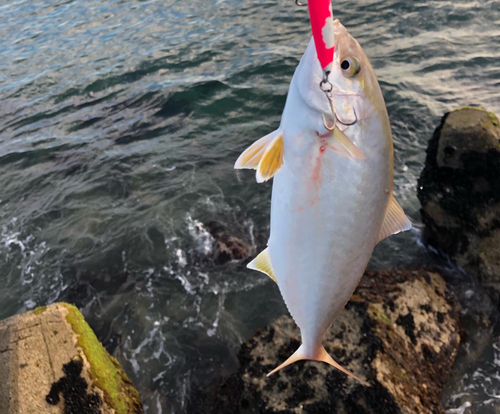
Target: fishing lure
[321,16]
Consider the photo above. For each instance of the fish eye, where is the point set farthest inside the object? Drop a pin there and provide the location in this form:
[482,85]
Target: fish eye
[350,66]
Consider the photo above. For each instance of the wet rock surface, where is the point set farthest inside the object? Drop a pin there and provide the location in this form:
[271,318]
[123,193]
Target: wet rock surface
[400,332]
[459,191]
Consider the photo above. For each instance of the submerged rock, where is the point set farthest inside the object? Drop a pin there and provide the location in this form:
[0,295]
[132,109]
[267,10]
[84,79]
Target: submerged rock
[227,246]
[400,332]
[52,362]
[459,191]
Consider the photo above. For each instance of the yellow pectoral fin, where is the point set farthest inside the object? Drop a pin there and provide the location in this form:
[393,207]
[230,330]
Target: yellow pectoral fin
[395,220]
[345,146]
[262,263]
[271,160]
[251,157]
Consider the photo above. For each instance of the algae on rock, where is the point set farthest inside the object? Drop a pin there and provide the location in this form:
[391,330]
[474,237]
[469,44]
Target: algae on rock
[105,370]
[51,353]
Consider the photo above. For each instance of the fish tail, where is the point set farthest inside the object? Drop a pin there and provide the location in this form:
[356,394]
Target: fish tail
[319,354]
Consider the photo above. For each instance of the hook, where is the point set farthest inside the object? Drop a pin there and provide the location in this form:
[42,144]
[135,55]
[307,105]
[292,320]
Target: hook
[334,114]
[300,4]
[337,119]
[327,125]
[349,123]
[326,86]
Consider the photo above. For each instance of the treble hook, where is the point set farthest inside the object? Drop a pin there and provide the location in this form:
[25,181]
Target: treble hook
[327,87]
[298,3]
[337,119]
[334,115]
[349,123]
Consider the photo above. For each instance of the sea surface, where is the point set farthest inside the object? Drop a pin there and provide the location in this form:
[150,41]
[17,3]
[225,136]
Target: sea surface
[120,122]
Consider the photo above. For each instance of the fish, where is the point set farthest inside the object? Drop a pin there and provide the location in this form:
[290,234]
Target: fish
[332,194]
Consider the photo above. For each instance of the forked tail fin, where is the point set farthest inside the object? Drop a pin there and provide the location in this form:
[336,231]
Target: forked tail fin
[319,355]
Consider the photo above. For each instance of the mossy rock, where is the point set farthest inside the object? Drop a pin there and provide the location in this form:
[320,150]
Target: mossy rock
[105,370]
[52,362]
[40,310]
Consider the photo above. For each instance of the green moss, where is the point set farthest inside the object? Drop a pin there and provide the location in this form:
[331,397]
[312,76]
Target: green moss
[384,317]
[105,371]
[40,310]
[494,119]
[475,108]
[404,375]
[491,115]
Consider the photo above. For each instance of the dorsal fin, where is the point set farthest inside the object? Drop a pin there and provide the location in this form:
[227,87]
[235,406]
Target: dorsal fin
[395,220]
[262,263]
[250,158]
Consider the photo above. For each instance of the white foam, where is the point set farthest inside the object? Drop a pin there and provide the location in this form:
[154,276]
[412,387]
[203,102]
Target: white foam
[181,258]
[459,410]
[203,239]
[185,284]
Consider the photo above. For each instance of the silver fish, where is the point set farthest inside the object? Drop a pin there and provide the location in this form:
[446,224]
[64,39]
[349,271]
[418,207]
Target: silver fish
[332,198]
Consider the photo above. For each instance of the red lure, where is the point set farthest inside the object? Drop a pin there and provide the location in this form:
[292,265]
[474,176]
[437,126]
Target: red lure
[320,12]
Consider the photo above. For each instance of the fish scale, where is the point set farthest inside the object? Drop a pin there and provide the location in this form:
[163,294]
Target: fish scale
[336,254]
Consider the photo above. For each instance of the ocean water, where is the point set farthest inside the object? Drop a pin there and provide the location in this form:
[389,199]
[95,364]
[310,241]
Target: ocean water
[120,122]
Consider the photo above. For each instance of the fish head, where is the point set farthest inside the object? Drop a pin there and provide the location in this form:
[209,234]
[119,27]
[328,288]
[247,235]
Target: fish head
[352,77]
[354,87]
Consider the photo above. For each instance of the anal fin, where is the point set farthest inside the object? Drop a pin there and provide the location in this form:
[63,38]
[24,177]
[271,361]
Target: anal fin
[262,263]
[395,220]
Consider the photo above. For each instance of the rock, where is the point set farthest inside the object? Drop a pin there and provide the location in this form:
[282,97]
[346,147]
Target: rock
[459,191]
[226,246]
[51,362]
[400,332]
